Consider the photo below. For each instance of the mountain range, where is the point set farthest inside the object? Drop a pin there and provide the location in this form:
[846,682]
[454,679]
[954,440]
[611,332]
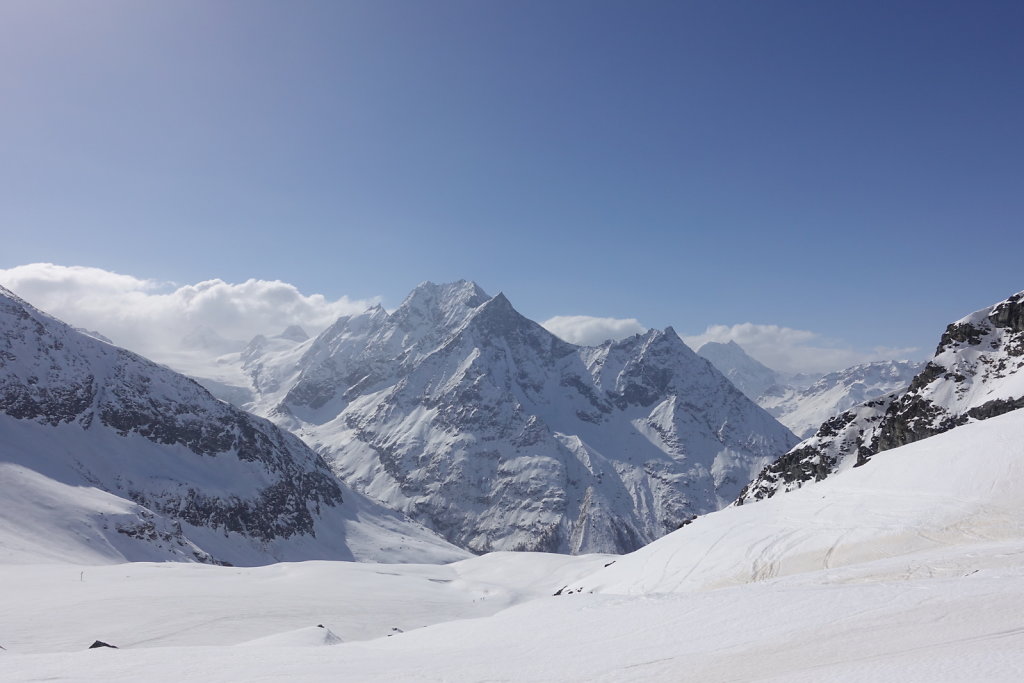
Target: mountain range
[456,413]
[803,402]
[482,425]
[902,511]
[109,456]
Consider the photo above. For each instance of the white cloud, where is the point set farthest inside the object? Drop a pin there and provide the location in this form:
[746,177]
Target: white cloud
[162,320]
[589,331]
[789,350]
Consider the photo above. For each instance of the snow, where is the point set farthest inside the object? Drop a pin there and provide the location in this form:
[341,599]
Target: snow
[804,405]
[911,569]
[105,456]
[956,488]
[804,410]
[485,427]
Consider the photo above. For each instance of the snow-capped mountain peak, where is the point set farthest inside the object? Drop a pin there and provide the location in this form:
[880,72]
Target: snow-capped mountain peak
[444,305]
[477,421]
[749,375]
[294,333]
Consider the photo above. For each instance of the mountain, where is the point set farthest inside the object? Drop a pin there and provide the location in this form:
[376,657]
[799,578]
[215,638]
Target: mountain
[804,405]
[479,423]
[974,375]
[804,409]
[107,456]
[750,376]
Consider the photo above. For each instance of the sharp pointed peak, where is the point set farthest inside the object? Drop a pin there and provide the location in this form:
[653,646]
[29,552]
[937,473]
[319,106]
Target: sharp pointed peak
[443,299]
[456,286]
[717,347]
[497,304]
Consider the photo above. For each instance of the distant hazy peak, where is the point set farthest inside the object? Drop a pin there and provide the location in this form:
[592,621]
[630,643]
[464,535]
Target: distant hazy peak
[749,375]
[731,351]
[294,333]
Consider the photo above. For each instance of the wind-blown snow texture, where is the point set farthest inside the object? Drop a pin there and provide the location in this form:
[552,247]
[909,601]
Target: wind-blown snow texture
[974,375]
[138,462]
[803,403]
[478,422]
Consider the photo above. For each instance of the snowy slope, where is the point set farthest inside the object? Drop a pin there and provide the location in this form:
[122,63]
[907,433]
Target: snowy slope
[911,570]
[960,488]
[481,424]
[105,456]
[976,373]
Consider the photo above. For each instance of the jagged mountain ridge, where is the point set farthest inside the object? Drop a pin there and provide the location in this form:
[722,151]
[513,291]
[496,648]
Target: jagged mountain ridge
[803,403]
[975,374]
[478,422]
[173,472]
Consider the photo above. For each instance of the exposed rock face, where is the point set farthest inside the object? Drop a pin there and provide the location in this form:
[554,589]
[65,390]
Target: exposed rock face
[976,374]
[478,422]
[265,484]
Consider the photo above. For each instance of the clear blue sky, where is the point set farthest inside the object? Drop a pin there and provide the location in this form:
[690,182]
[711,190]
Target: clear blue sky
[852,168]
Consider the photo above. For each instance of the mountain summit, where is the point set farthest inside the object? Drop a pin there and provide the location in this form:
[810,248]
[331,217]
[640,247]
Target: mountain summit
[481,424]
[749,375]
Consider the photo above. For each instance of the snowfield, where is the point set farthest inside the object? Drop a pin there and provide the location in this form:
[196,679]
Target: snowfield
[910,568]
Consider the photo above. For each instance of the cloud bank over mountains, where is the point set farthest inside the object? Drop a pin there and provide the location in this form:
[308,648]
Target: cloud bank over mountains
[796,351]
[161,320]
[183,324]
[588,330]
[784,349]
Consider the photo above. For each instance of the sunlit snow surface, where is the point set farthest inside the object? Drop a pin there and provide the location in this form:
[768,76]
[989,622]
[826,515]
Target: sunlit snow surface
[910,568]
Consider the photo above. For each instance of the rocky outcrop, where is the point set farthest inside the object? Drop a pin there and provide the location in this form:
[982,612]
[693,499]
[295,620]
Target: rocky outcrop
[977,373]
